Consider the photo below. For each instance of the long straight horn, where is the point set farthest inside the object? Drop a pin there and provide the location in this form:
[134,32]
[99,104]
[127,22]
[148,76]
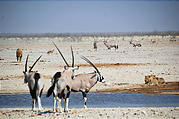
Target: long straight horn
[34,63]
[26,63]
[61,55]
[73,60]
[88,61]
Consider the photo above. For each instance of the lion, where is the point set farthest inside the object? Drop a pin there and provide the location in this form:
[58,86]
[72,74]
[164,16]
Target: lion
[19,55]
[153,80]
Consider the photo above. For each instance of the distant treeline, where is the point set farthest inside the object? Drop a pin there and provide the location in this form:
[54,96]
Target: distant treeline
[117,34]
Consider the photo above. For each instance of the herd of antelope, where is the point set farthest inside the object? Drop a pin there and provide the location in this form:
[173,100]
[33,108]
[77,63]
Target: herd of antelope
[63,83]
[109,45]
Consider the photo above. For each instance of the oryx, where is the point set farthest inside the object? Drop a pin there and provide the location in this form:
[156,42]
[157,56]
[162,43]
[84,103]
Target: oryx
[35,84]
[110,45]
[84,82]
[61,83]
[135,43]
[95,45]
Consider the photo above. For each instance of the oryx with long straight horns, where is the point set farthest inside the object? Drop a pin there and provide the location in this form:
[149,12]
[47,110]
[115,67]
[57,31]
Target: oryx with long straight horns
[110,45]
[35,84]
[84,82]
[61,83]
[79,83]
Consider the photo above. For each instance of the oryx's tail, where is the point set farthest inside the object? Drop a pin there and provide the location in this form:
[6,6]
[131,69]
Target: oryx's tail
[50,90]
[55,77]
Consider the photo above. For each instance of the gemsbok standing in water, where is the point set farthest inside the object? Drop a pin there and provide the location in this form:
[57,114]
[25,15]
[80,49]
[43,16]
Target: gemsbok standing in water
[35,84]
[61,83]
[78,83]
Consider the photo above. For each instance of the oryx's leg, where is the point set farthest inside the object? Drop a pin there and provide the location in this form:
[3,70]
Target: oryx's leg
[39,103]
[64,99]
[116,47]
[38,95]
[54,103]
[59,109]
[84,99]
[54,100]
[33,104]
[60,96]
[66,102]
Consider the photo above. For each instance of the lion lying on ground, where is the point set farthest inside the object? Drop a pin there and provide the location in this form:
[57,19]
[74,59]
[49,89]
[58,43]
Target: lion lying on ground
[153,80]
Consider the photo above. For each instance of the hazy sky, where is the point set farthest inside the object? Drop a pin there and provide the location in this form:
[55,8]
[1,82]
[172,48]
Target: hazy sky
[31,16]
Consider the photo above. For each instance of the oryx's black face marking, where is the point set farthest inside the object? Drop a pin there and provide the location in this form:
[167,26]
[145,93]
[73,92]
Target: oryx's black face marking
[101,79]
[25,77]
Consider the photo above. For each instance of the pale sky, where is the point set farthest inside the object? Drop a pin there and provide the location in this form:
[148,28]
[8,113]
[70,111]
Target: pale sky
[61,16]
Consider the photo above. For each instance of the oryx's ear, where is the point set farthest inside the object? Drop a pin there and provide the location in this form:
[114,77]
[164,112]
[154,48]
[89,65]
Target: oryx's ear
[77,68]
[66,67]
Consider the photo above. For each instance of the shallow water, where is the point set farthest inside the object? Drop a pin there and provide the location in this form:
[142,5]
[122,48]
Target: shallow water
[98,100]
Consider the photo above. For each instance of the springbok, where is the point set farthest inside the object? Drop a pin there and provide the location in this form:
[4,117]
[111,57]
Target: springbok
[61,83]
[110,45]
[35,84]
[19,55]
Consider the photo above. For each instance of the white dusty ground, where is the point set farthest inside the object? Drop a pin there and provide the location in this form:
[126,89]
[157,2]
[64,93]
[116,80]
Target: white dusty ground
[93,113]
[160,58]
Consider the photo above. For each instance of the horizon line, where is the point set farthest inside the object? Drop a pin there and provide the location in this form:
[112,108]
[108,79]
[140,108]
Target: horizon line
[94,32]
[85,0]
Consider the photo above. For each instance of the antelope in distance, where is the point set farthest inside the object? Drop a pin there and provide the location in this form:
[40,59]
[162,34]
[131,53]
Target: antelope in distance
[35,84]
[135,44]
[61,83]
[19,55]
[95,45]
[110,45]
[50,52]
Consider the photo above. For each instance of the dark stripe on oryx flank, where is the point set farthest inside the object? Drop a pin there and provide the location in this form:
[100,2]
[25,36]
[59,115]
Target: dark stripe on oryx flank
[33,91]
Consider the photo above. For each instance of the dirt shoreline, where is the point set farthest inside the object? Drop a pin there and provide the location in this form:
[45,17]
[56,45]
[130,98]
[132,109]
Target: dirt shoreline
[167,88]
[93,113]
